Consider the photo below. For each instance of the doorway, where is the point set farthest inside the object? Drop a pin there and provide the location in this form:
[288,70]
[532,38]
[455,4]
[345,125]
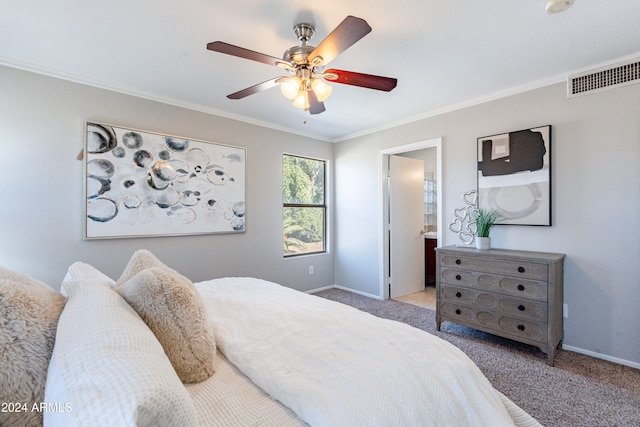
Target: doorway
[386,273]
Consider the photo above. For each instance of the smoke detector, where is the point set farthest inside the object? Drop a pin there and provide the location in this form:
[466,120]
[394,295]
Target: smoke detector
[557,6]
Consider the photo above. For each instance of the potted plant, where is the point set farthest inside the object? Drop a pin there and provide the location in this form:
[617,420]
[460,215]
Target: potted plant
[485,220]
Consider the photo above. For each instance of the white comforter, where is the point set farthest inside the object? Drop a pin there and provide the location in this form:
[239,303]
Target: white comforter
[334,365]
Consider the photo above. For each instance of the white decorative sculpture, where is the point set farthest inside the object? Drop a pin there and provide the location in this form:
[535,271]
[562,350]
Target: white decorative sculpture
[464,223]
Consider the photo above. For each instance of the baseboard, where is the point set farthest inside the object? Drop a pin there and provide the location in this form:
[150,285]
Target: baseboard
[602,356]
[357,292]
[324,288]
[313,291]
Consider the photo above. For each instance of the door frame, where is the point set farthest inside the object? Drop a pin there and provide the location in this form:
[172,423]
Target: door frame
[383,156]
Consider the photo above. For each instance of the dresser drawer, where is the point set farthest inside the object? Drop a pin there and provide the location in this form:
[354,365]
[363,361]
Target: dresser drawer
[495,323]
[461,278]
[468,315]
[523,329]
[523,309]
[530,289]
[526,270]
[516,307]
[458,295]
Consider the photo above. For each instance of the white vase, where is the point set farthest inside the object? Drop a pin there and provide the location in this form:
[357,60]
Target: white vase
[483,242]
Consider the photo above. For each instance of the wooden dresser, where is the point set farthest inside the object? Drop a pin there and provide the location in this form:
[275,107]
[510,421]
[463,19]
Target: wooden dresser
[513,294]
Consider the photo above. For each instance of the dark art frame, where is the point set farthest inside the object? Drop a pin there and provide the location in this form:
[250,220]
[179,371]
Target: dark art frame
[141,184]
[514,175]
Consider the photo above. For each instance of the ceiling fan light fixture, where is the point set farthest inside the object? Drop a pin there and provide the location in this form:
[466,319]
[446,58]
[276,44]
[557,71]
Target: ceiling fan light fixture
[290,87]
[302,100]
[557,6]
[321,89]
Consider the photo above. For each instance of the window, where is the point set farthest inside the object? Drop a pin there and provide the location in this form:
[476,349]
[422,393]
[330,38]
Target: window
[304,210]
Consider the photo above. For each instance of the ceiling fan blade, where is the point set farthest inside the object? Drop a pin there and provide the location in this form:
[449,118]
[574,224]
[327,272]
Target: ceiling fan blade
[349,31]
[315,106]
[241,52]
[255,89]
[359,79]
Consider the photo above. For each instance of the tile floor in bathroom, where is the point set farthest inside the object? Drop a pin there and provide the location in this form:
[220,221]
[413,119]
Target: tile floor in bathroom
[426,298]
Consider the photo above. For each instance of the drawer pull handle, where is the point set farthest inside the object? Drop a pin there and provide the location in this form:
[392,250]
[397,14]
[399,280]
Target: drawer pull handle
[521,287]
[458,262]
[521,269]
[521,327]
[458,277]
[458,294]
[458,311]
[521,307]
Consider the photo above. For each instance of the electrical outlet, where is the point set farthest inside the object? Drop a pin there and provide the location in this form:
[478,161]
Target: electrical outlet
[565,311]
[311,270]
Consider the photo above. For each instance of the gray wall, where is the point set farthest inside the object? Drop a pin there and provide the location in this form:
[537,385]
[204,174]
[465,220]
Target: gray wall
[596,203]
[596,196]
[42,123]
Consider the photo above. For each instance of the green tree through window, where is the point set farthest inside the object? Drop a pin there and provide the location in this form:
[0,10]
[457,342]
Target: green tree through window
[304,208]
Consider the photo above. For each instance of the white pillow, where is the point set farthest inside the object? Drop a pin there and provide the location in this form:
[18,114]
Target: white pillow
[112,368]
[81,272]
[55,389]
[55,394]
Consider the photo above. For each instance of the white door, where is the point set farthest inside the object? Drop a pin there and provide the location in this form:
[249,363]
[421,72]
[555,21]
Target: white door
[406,224]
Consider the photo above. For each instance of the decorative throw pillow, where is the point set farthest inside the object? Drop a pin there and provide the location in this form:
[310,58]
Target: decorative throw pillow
[174,310]
[24,279]
[29,312]
[112,369]
[140,260]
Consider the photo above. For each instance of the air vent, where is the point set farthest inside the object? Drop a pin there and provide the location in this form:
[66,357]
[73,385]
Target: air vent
[605,78]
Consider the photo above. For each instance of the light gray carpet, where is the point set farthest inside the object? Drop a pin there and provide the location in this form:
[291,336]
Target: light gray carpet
[578,391]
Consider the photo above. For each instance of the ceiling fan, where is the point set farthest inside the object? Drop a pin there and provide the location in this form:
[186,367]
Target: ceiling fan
[306,86]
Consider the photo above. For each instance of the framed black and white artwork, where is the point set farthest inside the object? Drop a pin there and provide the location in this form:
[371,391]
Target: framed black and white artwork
[514,175]
[140,184]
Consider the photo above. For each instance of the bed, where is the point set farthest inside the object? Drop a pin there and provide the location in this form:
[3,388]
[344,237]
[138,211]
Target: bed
[334,365]
[282,358]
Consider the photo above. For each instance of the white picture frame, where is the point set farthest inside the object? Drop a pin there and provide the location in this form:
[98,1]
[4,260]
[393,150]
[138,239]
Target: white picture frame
[140,184]
[514,176]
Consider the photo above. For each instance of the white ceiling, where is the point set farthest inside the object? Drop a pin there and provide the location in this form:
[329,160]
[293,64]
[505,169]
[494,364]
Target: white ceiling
[444,53]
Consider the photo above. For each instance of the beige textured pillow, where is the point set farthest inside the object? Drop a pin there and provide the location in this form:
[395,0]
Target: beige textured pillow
[29,312]
[141,259]
[174,310]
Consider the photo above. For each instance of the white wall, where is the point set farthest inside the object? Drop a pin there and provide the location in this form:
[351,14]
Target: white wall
[596,202]
[42,125]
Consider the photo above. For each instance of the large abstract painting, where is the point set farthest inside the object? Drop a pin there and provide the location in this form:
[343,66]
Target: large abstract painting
[514,175]
[147,184]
